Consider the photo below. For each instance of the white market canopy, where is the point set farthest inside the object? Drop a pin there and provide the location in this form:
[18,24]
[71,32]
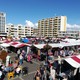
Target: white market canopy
[14,44]
[69,40]
[4,45]
[74,61]
[56,45]
[70,44]
[39,46]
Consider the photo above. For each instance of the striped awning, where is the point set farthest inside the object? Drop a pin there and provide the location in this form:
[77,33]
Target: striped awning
[74,61]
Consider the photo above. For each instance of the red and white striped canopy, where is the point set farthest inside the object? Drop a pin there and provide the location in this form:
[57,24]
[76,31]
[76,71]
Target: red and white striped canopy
[74,61]
[17,44]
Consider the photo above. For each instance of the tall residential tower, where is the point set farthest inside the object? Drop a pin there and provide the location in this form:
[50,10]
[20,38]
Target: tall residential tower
[2,22]
[49,27]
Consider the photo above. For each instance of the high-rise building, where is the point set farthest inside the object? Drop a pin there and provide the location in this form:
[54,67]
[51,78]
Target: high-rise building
[2,22]
[49,27]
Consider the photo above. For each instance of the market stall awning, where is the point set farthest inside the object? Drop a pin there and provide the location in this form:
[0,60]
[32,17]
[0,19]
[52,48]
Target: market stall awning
[69,40]
[74,61]
[70,44]
[17,44]
[3,41]
[4,45]
[54,45]
[39,46]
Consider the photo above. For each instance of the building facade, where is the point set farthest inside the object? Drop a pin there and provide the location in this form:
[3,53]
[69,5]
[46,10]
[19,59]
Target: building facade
[49,27]
[11,30]
[35,32]
[19,30]
[3,25]
[70,34]
[2,22]
[28,31]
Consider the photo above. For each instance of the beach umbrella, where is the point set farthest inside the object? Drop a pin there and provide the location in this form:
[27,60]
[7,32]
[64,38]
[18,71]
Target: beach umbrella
[25,40]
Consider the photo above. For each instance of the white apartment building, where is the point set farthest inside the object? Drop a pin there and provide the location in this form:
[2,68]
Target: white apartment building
[71,34]
[15,30]
[18,30]
[28,31]
[11,30]
[49,27]
[35,32]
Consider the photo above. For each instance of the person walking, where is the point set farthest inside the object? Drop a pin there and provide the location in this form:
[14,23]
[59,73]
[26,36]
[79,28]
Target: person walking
[29,57]
[45,75]
[37,75]
[42,72]
[52,72]
[7,60]
[21,59]
[18,53]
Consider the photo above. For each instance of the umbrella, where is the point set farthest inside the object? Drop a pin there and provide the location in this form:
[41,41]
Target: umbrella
[25,40]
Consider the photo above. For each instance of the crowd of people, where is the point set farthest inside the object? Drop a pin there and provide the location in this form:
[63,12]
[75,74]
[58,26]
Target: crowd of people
[47,71]
[43,74]
[14,66]
[55,63]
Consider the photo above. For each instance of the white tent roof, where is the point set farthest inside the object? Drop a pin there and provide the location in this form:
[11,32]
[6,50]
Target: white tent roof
[56,45]
[60,45]
[70,44]
[74,61]
[69,40]
[39,45]
[4,45]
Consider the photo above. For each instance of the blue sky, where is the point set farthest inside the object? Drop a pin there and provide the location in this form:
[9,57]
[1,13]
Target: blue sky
[18,11]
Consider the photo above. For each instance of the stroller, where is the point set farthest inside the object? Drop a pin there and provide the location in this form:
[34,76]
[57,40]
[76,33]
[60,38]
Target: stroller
[25,70]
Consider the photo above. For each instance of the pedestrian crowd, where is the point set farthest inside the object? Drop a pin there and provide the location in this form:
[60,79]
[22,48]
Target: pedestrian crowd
[48,71]
[14,66]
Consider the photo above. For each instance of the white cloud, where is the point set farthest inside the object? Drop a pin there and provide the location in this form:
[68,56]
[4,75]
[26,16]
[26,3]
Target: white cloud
[31,24]
[36,25]
[73,27]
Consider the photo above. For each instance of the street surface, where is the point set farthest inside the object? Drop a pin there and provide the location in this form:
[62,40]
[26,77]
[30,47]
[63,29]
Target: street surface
[32,67]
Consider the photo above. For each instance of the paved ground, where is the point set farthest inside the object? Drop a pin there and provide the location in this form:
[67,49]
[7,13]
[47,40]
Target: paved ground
[31,66]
